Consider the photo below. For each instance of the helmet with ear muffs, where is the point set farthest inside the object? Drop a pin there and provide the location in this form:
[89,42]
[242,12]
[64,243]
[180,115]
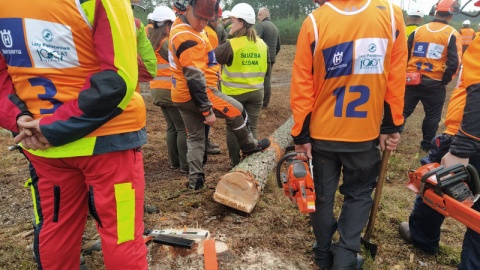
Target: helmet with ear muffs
[179,7]
[205,9]
[450,6]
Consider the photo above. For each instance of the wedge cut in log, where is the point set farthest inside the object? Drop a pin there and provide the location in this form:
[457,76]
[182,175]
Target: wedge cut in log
[242,186]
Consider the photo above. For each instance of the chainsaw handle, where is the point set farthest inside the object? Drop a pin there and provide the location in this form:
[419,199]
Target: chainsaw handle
[279,166]
[288,156]
[475,179]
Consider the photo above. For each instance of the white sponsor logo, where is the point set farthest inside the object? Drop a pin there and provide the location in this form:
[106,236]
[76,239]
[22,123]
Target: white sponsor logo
[435,51]
[6,38]
[7,41]
[337,61]
[337,58]
[370,55]
[51,44]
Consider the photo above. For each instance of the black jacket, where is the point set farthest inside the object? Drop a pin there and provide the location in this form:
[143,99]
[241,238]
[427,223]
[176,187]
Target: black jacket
[267,31]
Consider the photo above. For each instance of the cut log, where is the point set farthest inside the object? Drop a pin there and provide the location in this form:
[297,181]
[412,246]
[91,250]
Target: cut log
[242,186]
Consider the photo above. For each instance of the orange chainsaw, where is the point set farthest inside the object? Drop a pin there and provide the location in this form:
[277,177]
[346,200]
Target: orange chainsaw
[449,191]
[297,183]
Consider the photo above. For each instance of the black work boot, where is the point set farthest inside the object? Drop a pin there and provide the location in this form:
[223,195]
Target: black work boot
[213,144]
[404,229]
[211,149]
[196,182]
[261,145]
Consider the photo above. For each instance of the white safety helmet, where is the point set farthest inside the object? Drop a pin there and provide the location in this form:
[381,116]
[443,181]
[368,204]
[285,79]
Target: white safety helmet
[466,22]
[163,13]
[243,11]
[149,16]
[416,11]
[226,14]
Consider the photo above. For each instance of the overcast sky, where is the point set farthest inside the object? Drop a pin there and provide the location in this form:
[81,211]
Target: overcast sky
[427,4]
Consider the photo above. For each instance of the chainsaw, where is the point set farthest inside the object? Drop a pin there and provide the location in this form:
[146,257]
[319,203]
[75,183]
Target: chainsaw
[450,191]
[297,183]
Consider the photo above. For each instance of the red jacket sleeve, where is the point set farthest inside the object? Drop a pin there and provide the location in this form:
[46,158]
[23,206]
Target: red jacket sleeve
[8,110]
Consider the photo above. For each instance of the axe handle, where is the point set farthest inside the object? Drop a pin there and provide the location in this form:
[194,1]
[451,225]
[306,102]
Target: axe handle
[378,194]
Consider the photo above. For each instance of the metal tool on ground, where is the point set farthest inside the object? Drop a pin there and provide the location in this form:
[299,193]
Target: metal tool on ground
[365,240]
[14,147]
[173,241]
[298,182]
[186,233]
[450,191]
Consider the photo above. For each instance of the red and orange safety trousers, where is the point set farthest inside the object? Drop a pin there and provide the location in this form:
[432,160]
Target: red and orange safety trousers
[112,186]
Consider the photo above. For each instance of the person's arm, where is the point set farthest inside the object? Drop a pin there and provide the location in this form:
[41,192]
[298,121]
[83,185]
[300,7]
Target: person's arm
[467,140]
[393,105]
[454,54]
[259,29]
[107,93]
[190,52]
[147,61]
[224,53]
[410,44]
[302,96]
[164,49]
[10,106]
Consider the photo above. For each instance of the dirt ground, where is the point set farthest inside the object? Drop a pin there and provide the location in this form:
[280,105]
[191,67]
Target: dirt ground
[274,236]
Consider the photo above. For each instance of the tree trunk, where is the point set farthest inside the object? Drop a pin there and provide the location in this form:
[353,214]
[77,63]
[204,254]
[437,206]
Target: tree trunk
[242,186]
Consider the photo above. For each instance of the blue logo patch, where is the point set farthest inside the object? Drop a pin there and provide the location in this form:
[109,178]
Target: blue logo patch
[212,61]
[420,49]
[338,60]
[12,44]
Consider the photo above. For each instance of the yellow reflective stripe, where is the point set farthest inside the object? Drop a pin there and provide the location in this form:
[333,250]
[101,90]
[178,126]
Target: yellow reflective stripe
[125,200]
[242,86]
[244,75]
[78,148]
[122,26]
[28,183]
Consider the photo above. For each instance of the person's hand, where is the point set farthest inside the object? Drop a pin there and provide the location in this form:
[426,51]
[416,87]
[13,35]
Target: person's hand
[389,141]
[30,135]
[210,120]
[450,159]
[304,151]
[22,122]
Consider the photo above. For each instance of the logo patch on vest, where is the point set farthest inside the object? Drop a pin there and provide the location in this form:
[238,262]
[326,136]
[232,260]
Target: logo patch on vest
[12,44]
[420,49]
[370,55]
[338,60]
[51,44]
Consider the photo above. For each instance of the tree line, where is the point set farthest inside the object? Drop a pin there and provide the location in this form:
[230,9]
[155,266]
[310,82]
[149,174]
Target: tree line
[288,15]
[279,9]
